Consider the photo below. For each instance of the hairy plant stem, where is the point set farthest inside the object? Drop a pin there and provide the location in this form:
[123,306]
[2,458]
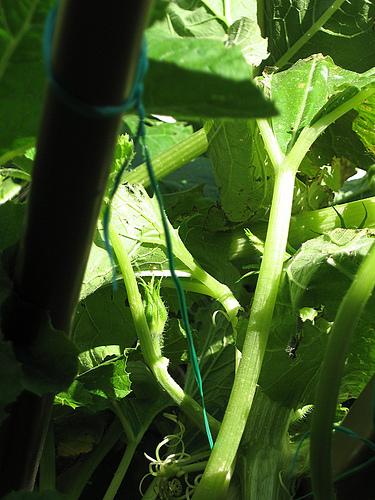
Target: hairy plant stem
[172,159]
[216,478]
[157,363]
[331,373]
[217,290]
[306,37]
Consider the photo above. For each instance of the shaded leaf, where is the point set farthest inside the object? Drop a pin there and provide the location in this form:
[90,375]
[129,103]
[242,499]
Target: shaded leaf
[242,169]
[21,72]
[334,259]
[364,124]
[149,398]
[347,34]
[50,364]
[102,378]
[200,78]
[10,369]
[48,356]
[11,219]
[103,319]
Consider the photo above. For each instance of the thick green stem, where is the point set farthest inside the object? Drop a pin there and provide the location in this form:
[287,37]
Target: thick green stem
[306,37]
[216,478]
[309,224]
[331,373]
[265,453]
[270,142]
[152,356]
[217,290]
[305,226]
[47,466]
[122,469]
[172,159]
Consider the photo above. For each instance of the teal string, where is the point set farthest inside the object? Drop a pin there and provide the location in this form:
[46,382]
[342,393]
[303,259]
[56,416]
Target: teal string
[175,279]
[74,102]
[134,100]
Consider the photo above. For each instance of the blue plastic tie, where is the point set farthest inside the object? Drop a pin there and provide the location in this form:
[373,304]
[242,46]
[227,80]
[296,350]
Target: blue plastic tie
[134,101]
[74,102]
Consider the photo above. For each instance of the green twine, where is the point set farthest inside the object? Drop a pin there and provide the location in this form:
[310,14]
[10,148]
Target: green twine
[133,101]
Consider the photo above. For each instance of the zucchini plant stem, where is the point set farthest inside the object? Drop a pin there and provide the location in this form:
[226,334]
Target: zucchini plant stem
[122,468]
[171,160]
[331,373]
[157,363]
[47,467]
[217,476]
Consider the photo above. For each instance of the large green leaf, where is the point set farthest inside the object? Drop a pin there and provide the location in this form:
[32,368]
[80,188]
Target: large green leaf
[347,33]
[11,218]
[204,19]
[160,135]
[242,170]
[364,124]
[103,319]
[196,68]
[102,378]
[306,308]
[21,71]
[191,77]
[299,93]
[147,398]
[306,92]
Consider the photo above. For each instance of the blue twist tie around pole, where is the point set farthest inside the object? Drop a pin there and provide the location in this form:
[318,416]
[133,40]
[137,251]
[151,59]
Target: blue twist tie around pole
[77,104]
[133,101]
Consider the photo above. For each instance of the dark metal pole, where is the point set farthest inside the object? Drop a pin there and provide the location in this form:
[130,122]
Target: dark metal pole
[95,53]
